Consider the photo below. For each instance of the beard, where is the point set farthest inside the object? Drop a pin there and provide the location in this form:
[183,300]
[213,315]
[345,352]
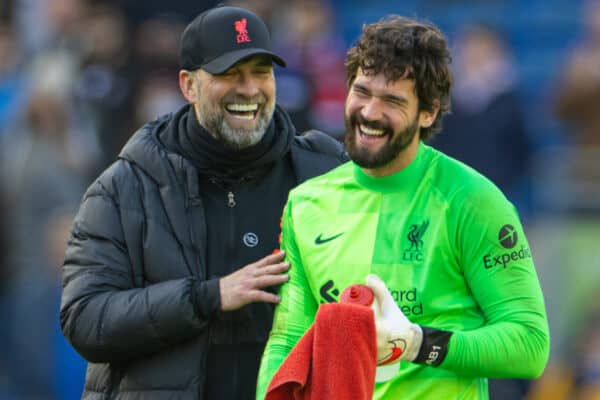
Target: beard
[238,138]
[397,142]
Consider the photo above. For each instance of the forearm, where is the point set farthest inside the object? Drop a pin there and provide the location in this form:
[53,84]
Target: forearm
[275,353]
[293,317]
[512,338]
[108,325]
[501,350]
[109,311]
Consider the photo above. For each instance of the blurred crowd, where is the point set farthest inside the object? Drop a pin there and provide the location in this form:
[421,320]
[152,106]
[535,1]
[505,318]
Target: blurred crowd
[78,77]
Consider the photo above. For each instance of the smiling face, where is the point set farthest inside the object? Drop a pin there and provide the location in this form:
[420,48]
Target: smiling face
[382,123]
[237,106]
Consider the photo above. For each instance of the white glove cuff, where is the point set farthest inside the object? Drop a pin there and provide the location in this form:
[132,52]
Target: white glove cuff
[414,342]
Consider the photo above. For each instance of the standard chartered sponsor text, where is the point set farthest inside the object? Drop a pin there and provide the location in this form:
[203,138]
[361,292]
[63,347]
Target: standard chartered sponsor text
[402,297]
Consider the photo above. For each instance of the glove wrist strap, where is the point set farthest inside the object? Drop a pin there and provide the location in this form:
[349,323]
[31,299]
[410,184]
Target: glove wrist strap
[434,347]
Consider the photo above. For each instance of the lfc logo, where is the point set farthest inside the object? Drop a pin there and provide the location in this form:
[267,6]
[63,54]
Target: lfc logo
[415,237]
[242,31]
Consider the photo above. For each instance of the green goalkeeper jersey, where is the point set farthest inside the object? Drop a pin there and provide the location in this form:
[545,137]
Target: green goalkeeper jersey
[452,252]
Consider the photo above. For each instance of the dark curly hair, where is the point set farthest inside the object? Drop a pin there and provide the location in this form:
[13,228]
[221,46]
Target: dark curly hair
[401,47]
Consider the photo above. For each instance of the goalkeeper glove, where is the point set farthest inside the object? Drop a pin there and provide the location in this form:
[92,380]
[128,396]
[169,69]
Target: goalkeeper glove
[397,337]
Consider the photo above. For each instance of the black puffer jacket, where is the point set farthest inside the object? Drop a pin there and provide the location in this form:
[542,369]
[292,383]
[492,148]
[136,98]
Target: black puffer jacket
[137,302]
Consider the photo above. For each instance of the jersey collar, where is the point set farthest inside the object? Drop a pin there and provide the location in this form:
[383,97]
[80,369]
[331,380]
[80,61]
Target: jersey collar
[406,179]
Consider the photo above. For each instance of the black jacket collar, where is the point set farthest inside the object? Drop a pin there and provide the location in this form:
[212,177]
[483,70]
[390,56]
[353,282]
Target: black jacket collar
[186,137]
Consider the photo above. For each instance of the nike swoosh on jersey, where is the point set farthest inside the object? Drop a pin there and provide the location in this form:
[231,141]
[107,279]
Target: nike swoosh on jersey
[321,240]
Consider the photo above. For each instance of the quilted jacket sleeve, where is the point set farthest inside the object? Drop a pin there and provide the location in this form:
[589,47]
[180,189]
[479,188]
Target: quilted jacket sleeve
[104,315]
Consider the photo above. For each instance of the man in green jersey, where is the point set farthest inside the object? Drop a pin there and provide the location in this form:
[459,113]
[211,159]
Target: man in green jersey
[460,297]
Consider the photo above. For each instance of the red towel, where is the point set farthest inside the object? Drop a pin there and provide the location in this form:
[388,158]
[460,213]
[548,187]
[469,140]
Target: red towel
[334,360]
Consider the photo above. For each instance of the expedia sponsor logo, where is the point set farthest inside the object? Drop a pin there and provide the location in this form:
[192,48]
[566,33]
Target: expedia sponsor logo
[415,237]
[502,260]
[508,238]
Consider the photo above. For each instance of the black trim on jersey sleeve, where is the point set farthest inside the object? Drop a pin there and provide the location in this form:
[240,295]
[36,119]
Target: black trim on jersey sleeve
[434,347]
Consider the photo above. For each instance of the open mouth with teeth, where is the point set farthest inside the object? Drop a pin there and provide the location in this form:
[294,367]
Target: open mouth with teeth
[371,135]
[371,132]
[242,111]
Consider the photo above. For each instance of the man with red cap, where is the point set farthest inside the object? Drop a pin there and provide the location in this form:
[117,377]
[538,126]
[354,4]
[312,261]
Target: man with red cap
[169,281]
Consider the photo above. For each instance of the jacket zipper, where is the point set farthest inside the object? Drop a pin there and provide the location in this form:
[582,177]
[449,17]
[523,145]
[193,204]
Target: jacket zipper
[193,206]
[230,195]
[231,199]
[232,246]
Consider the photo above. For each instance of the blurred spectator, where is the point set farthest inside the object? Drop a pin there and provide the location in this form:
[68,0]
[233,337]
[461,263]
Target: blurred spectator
[45,25]
[157,46]
[44,179]
[45,156]
[68,369]
[266,9]
[486,129]
[13,80]
[54,64]
[6,271]
[313,86]
[587,356]
[139,11]
[579,90]
[574,185]
[577,181]
[12,83]
[6,10]
[157,65]
[103,89]
[156,95]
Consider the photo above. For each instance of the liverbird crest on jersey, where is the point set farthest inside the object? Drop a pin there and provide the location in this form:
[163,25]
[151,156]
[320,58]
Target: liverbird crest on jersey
[415,237]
